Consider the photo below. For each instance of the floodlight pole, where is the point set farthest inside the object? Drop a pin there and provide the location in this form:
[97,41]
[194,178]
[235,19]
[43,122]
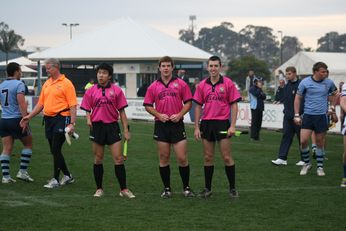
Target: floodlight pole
[280,32]
[70,25]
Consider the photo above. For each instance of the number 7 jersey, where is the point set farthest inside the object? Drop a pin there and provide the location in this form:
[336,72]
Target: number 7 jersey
[9,90]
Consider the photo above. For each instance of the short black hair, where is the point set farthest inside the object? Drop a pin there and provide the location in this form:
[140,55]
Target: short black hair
[107,67]
[319,65]
[11,68]
[166,59]
[215,58]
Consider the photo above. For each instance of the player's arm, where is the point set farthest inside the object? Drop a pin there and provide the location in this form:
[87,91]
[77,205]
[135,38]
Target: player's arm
[124,122]
[234,113]
[88,118]
[151,110]
[73,115]
[177,117]
[22,104]
[343,103]
[25,120]
[332,102]
[198,112]
[297,102]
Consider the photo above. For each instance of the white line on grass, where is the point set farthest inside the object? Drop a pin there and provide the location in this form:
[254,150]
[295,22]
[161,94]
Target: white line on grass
[18,199]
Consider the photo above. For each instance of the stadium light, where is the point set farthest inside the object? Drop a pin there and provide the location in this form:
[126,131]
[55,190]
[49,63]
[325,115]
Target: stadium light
[280,32]
[70,25]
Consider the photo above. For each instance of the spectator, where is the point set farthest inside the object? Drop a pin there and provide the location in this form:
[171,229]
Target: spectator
[257,98]
[249,82]
[279,95]
[142,90]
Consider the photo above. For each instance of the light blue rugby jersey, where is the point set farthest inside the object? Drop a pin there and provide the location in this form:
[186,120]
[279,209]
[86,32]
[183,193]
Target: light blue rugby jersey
[316,95]
[9,90]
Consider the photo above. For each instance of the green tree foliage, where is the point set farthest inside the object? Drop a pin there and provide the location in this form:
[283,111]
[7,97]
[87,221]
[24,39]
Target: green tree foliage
[9,40]
[332,42]
[238,69]
[187,36]
[290,46]
[260,42]
[220,40]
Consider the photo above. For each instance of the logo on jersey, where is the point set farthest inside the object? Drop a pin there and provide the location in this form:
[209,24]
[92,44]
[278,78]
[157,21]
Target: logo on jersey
[213,97]
[166,93]
[222,89]
[175,85]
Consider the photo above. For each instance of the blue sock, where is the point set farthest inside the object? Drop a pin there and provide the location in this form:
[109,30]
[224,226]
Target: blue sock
[319,157]
[345,170]
[305,155]
[5,165]
[25,159]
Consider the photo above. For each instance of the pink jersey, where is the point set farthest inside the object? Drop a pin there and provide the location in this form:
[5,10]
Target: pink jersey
[217,99]
[104,103]
[168,99]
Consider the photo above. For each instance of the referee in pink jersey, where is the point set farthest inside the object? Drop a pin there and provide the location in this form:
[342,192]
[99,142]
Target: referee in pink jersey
[168,99]
[218,96]
[104,102]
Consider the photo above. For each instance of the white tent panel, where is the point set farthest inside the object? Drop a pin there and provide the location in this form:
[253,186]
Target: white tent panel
[123,39]
[303,62]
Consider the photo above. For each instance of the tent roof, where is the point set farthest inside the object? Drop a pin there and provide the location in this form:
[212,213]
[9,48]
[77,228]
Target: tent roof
[304,61]
[21,61]
[123,39]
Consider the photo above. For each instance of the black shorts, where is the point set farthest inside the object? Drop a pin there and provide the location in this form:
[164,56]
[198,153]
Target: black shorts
[317,123]
[105,133]
[11,127]
[169,132]
[210,129]
[55,124]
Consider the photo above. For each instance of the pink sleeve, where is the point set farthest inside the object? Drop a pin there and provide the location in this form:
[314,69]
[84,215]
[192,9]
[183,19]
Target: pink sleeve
[234,94]
[86,101]
[198,94]
[187,96]
[121,100]
[149,98]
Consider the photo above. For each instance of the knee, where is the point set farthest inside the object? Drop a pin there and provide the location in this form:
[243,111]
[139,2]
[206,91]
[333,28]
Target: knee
[164,159]
[182,160]
[208,158]
[98,159]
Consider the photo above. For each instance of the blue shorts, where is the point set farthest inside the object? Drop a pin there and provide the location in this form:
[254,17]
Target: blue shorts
[317,123]
[11,127]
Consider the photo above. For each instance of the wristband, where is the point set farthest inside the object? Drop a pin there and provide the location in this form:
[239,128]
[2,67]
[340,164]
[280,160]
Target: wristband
[296,115]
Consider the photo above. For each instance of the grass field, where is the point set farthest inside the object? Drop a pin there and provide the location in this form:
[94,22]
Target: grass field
[271,197]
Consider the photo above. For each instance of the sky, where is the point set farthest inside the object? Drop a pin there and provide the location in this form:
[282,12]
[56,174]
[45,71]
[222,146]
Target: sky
[40,22]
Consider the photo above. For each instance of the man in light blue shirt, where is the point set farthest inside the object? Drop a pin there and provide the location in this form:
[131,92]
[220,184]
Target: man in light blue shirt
[14,107]
[316,90]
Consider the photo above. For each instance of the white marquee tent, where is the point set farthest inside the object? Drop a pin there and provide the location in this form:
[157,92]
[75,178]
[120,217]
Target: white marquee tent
[304,61]
[123,39]
[24,62]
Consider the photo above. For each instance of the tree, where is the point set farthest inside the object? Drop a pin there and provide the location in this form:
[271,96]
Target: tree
[332,42]
[9,40]
[220,40]
[260,42]
[187,36]
[238,69]
[290,46]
